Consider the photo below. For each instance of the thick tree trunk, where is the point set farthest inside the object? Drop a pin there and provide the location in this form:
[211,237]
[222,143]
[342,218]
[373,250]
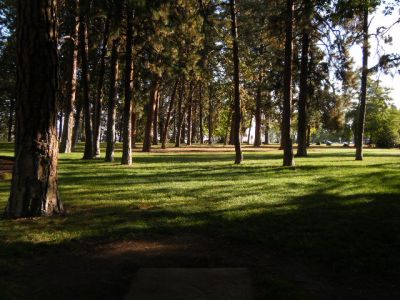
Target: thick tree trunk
[66,140]
[112,101]
[236,81]
[10,120]
[100,87]
[303,94]
[189,115]
[151,107]
[34,187]
[180,115]
[257,134]
[308,135]
[127,125]
[83,49]
[288,159]
[168,118]
[363,96]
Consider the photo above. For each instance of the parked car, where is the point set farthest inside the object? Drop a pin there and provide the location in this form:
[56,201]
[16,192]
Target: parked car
[328,143]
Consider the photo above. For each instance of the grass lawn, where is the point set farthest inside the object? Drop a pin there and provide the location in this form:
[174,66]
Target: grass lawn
[329,228]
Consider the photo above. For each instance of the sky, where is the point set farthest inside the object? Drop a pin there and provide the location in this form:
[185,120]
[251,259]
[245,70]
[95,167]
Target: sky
[378,19]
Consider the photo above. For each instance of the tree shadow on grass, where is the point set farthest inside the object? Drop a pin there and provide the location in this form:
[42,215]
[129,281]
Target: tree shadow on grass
[352,238]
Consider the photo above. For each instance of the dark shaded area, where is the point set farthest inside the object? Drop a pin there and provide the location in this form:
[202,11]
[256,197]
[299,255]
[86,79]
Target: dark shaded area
[320,245]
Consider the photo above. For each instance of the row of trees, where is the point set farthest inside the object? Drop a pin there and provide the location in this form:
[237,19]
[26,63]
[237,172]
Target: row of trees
[159,71]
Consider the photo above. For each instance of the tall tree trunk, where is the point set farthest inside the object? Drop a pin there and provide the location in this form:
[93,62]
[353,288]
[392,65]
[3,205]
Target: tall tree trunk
[232,128]
[194,122]
[77,123]
[303,94]
[151,107]
[83,49]
[66,140]
[10,120]
[127,125]
[189,115]
[180,115]
[34,187]
[60,125]
[168,118]
[266,133]
[250,125]
[236,81]
[100,87]
[210,116]
[183,130]
[134,126]
[257,134]
[288,159]
[308,135]
[161,118]
[363,96]
[201,116]
[113,98]
[228,125]
[155,119]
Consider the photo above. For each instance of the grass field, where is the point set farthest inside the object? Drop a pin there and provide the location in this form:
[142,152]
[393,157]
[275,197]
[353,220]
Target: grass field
[330,227]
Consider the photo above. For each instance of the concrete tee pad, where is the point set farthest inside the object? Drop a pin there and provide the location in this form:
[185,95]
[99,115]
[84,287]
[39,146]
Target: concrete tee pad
[191,283]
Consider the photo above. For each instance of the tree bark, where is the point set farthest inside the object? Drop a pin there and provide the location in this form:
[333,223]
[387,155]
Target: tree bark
[303,94]
[100,89]
[363,96]
[236,81]
[168,118]
[288,159]
[83,49]
[127,125]
[66,140]
[113,97]
[151,107]
[34,187]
